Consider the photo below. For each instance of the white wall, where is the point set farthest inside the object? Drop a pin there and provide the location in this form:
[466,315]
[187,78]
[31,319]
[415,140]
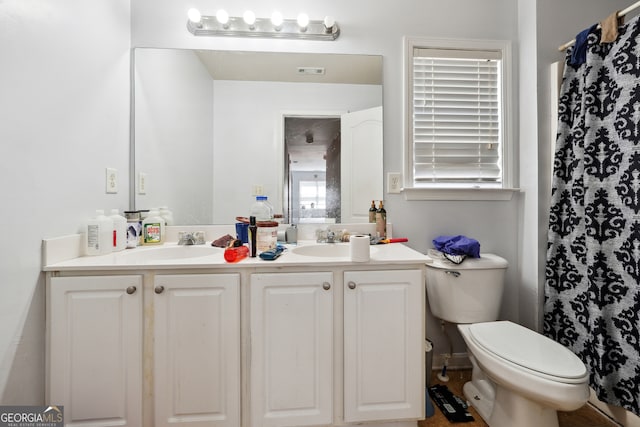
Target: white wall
[64,108]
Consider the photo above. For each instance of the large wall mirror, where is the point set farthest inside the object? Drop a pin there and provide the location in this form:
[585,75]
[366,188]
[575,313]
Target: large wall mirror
[212,129]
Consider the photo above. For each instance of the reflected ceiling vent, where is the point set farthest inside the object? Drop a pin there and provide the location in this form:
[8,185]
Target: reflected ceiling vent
[315,71]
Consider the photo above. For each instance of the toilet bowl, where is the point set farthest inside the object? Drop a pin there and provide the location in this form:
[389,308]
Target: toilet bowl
[522,378]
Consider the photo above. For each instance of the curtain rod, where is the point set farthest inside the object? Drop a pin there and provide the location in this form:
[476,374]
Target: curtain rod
[621,13]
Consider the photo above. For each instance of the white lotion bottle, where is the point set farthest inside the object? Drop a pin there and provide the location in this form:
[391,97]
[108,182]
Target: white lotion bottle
[119,230]
[99,234]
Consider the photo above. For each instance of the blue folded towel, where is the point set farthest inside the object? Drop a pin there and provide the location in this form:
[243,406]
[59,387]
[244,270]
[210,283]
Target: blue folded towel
[457,245]
[579,53]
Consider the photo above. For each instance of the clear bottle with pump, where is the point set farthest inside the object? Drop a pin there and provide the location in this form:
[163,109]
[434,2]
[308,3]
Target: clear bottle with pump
[153,228]
[119,230]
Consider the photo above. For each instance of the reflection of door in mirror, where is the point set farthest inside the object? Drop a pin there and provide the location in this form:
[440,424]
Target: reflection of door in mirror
[333,166]
[312,159]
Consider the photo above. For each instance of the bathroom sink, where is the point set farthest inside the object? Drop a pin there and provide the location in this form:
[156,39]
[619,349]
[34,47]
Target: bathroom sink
[146,255]
[327,250]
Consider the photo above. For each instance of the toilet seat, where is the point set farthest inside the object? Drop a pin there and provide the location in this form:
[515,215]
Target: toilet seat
[529,350]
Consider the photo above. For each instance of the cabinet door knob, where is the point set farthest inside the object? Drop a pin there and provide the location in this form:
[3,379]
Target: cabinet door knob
[351,285]
[131,290]
[326,286]
[159,289]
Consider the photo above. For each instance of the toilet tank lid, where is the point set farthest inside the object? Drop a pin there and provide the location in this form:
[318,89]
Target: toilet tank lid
[486,261]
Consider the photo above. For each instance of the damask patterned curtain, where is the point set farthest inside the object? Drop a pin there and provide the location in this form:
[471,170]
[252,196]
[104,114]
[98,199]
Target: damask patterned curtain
[592,291]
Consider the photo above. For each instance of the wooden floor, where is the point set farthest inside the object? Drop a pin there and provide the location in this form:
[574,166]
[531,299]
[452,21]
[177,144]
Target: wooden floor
[586,416]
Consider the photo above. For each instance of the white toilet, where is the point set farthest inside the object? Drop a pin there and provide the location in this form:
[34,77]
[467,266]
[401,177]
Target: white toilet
[520,378]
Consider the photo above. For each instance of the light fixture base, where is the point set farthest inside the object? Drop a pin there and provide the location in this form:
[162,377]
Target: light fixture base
[237,27]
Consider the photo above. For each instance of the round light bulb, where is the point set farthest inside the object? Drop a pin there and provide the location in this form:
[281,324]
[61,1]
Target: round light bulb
[303,20]
[249,17]
[329,22]
[194,15]
[276,19]
[222,16]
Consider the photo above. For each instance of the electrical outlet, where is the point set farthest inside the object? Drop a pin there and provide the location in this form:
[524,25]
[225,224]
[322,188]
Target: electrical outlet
[111,181]
[394,182]
[257,190]
[142,183]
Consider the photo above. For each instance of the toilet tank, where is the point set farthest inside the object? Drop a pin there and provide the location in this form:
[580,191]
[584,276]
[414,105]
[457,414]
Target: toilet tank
[469,292]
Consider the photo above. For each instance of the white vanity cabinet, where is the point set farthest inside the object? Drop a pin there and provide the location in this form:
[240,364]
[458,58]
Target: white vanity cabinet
[304,340]
[95,349]
[383,345]
[291,331]
[196,350]
[188,347]
[380,322]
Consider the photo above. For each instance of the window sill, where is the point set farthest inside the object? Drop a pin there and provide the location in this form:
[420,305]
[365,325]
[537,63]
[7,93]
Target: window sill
[468,194]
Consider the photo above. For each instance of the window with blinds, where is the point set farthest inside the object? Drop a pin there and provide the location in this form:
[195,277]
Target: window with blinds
[457,125]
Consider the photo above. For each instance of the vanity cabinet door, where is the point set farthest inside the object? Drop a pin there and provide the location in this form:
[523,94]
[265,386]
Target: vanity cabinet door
[197,350]
[383,345]
[291,349]
[94,363]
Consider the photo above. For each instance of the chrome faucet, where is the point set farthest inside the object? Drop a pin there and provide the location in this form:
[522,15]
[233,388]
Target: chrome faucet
[187,238]
[325,236]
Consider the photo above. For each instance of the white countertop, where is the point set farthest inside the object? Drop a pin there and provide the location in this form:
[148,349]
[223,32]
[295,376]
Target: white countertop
[136,259]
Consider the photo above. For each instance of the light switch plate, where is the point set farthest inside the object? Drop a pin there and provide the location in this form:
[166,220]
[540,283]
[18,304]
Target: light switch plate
[394,182]
[111,181]
[257,190]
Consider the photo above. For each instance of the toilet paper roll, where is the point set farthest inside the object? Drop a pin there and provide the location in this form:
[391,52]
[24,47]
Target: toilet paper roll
[359,248]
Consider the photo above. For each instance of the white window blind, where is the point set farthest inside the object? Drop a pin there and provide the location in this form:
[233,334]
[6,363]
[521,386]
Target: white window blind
[457,132]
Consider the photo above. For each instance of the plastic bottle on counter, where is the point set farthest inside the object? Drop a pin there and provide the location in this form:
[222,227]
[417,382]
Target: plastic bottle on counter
[253,236]
[119,230]
[134,228]
[153,228]
[372,212]
[235,254]
[99,231]
[381,221]
[261,209]
[167,215]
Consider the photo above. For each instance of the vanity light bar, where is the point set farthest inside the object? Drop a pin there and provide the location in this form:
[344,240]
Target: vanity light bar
[327,30]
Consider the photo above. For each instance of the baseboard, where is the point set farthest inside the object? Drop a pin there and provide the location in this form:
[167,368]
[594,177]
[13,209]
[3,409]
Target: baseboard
[456,361]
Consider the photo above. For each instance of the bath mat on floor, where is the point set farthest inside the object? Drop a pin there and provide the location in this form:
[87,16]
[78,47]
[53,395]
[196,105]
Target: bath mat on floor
[452,406]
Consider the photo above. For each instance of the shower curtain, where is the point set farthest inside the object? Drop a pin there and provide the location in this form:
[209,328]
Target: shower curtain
[592,286]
